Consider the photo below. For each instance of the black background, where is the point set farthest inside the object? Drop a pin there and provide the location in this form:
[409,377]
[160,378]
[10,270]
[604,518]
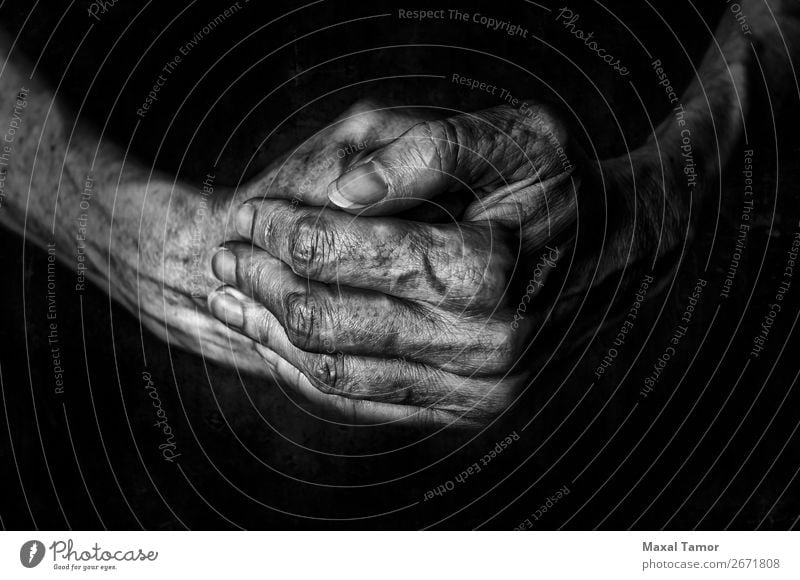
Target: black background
[711,448]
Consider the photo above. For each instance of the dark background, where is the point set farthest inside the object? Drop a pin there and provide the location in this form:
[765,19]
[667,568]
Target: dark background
[711,448]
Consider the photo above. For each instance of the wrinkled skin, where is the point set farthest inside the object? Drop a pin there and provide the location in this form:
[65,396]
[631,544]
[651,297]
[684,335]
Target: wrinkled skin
[396,318]
[388,319]
[438,289]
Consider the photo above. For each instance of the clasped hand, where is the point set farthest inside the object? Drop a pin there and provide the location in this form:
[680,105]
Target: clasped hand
[395,284]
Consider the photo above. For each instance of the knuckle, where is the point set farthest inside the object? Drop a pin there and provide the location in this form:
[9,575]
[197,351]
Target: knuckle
[543,131]
[549,121]
[328,374]
[363,107]
[442,141]
[499,266]
[493,352]
[483,281]
[310,244]
[251,274]
[476,267]
[359,121]
[303,316]
[469,278]
[495,276]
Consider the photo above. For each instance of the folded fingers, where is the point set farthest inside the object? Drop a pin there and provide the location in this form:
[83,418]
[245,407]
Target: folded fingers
[461,266]
[396,382]
[324,318]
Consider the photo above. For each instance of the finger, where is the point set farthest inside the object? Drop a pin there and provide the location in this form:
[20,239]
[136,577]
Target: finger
[474,151]
[353,411]
[303,174]
[326,319]
[390,381]
[464,266]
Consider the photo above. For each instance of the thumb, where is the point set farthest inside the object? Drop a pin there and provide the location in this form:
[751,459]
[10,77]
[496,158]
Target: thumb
[419,165]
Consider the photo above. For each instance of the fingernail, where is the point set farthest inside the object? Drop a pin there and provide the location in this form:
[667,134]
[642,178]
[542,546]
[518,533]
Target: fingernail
[244,220]
[231,291]
[227,309]
[223,265]
[358,187]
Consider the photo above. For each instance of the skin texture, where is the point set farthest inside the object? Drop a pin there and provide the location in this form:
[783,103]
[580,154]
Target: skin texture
[435,294]
[148,240]
[408,321]
[406,313]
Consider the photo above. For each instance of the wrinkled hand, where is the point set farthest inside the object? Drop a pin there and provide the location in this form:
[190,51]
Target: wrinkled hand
[388,318]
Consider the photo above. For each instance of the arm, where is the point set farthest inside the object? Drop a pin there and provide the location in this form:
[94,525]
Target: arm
[377,334]
[140,236]
[666,182]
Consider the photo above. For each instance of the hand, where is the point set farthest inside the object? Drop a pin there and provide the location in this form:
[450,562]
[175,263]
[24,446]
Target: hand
[162,238]
[186,225]
[302,175]
[143,237]
[389,319]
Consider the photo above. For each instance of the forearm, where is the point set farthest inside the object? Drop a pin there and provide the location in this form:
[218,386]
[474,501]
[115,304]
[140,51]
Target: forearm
[664,185]
[141,237]
[36,172]
[709,119]
[62,184]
